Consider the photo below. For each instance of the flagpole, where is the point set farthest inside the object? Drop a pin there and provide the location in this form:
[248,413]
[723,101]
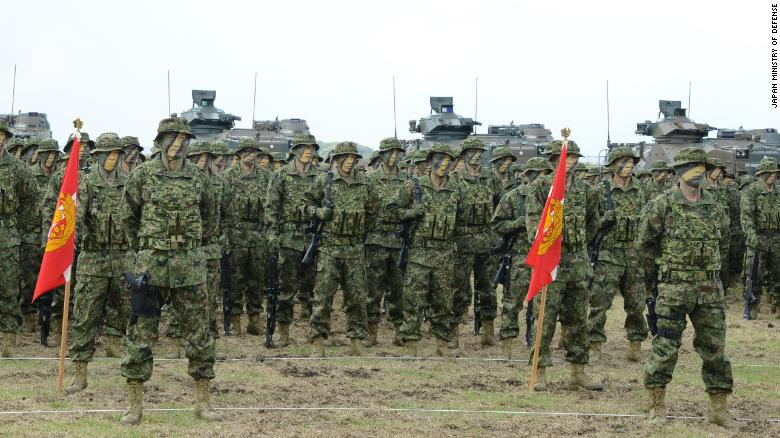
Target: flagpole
[63,338]
[538,339]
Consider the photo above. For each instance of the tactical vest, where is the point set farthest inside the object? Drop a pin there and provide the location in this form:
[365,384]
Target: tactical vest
[476,203]
[575,213]
[103,227]
[249,194]
[385,188]
[628,206]
[441,212]
[349,209]
[170,218]
[767,211]
[294,205]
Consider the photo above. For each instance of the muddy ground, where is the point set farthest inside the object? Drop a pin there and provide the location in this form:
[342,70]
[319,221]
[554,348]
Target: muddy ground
[370,396]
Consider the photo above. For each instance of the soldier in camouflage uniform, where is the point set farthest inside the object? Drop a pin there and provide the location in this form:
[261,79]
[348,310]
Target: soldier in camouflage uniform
[567,296]
[168,210]
[340,257]
[18,214]
[592,176]
[29,151]
[247,184]
[509,220]
[383,245]
[287,218]
[661,180]
[760,218]
[502,161]
[103,258]
[374,161]
[617,268]
[429,279]
[279,160]
[13,146]
[714,183]
[133,154]
[474,238]
[685,231]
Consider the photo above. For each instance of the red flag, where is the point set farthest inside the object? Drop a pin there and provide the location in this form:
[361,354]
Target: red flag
[58,258]
[545,253]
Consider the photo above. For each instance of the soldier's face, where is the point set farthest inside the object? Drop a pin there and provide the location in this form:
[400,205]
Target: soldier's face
[347,163]
[108,160]
[473,156]
[571,162]
[769,178]
[278,165]
[692,174]
[459,164]
[530,176]
[202,161]
[305,153]
[218,164]
[264,161]
[391,157]
[49,159]
[661,176]
[503,165]
[174,143]
[3,138]
[131,155]
[248,157]
[623,167]
[441,164]
[420,168]
[715,173]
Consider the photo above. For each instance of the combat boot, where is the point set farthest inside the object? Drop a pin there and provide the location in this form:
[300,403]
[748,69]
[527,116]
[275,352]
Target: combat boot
[356,347]
[561,338]
[112,346]
[8,344]
[441,348]
[305,311]
[79,382]
[657,415]
[635,351]
[411,347]
[318,347]
[284,335]
[454,343]
[253,326]
[488,336]
[506,348]
[203,409]
[579,377]
[235,325]
[397,340]
[596,353]
[30,323]
[370,341]
[175,351]
[720,415]
[135,395]
[541,379]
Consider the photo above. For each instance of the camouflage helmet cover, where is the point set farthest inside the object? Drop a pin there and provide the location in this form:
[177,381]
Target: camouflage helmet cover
[107,143]
[537,164]
[250,143]
[439,148]
[390,143]
[618,153]
[419,156]
[374,157]
[131,141]
[173,124]
[304,139]
[219,148]
[472,143]
[767,165]
[716,162]
[689,155]
[107,134]
[503,152]
[278,156]
[659,165]
[14,143]
[49,144]
[197,148]
[345,147]
[84,140]
[554,148]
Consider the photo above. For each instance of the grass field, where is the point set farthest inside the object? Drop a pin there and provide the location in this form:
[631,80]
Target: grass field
[381,395]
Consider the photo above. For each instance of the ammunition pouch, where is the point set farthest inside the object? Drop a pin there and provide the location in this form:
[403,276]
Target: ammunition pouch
[173,243]
[682,276]
[8,222]
[8,201]
[144,299]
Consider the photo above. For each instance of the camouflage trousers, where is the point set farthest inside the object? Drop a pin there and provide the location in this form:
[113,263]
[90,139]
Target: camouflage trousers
[609,279]
[214,293]
[483,266]
[191,304]
[30,258]
[736,258]
[431,288]
[247,280]
[295,278]
[350,273]
[768,273]
[569,301]
[709,339]
[92,299]
[10,312]
[385,279]
[512,299]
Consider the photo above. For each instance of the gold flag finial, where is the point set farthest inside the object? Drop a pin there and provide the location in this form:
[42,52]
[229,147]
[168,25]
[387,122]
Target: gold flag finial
[78,124]
[565,132]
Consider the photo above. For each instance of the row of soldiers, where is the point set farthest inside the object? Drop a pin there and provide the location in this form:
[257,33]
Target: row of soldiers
[174,220]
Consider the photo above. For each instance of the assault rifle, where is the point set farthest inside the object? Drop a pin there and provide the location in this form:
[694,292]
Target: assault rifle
[529,324]
[593,251]
[44,317]
[316,225]
[273,298]
[144,299]
[407,228]
[224,283]
[751,284]
[652,318]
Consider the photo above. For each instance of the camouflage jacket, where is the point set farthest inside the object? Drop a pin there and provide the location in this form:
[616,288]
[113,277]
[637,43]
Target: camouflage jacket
[435,234]
[474,234]
[509,218]
[246,197]
[50,193]
[617,245]
[218,243]
[384,230]
[760,215]
[103,243]
[654,189]
[503,187]
[683,241]
[355,205]
[285,206]
[165,215]
[36,235]
[721,194]
[18,201]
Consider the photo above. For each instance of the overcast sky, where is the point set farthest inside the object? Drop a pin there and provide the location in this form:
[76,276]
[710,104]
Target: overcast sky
[331,62]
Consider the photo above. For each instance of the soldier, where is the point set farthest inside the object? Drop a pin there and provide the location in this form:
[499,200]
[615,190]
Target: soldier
[592,176]
[104,256]
[567,296]
[14,147]
[581,171]
[661,179]
[279,160]
[168,209]
[221,155]
[509,220]
[429,279]
[474,239]
[29,151]
[374,161]
[685,231]
[133,154]
[316,159]
[418,164]
[18,214]
[345,209]
[620,202]
[643,176]
[287,218]
[714,183]
[760,217]
[502,161]
[247,184]
[383,245]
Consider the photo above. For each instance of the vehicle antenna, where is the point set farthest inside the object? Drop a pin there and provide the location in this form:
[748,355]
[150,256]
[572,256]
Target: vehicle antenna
[169,92]
[13,92]
[254,101]
[609,143]
[395,122]
[476,102]
[689,98]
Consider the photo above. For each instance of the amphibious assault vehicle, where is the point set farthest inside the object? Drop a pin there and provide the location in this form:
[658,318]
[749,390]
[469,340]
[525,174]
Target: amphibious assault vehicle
[32,125]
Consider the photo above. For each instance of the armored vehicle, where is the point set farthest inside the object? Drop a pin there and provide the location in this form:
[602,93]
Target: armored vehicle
[33,125]
[206,120]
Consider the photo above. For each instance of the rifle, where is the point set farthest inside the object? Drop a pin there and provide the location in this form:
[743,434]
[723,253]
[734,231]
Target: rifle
[407,228]
[224,283]
[505,249]
[144,299]
[652,318]
[44,317]
[593,251]
[316,225]
[273,298]
[529,324]
[751,284]
[477,313]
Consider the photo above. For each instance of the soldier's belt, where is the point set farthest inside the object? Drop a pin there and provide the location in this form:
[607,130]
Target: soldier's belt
[294,226]
[172,243]
[678,276]
[472,229]
[94,246]
[341,240]
[386,227]
[419,242]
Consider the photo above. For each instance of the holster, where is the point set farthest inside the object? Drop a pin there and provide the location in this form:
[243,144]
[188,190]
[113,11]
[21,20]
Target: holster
[144,299]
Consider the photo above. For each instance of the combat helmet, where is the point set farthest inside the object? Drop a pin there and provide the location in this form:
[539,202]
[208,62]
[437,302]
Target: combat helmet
[173,124]
[107,134]
[689,155]
[373,158]
[503,152]
[419,156]
[390,143]
[745,180]
[84,139]
[107,143]
[715,163]
[659,166]
[197,148]
[618,153]
[219,148]
[439,148]
[13,144]
[554,148]
[278,156]
[250,143]
[343,148]
[472,143]
[49,144]
[767,165]
[131,141]
[304,139]
[537,164]
[6,128]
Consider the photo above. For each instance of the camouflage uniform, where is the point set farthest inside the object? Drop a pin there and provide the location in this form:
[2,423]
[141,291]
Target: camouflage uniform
[18,201]
[723,195]
[246,232]
[654,188]
[474,238]
[287,218]
[617,268]
[686,240]
[505,182]
[760,218]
